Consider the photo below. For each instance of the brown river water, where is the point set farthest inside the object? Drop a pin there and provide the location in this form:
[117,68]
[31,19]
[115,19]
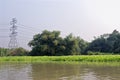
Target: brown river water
[58,71]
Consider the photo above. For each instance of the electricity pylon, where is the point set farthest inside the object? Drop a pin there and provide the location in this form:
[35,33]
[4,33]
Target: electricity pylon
[13,40]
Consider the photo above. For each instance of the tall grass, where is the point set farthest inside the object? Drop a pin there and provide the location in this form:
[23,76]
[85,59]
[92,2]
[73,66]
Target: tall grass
[3,51]
[81,58]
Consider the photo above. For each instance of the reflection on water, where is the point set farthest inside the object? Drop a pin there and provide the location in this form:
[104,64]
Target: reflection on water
[15,71]
[55,71]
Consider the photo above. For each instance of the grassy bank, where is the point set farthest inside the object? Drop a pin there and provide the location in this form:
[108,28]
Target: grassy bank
[81,58]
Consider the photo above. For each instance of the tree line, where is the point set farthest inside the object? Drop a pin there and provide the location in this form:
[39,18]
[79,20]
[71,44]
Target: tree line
[50,43]
[107,43]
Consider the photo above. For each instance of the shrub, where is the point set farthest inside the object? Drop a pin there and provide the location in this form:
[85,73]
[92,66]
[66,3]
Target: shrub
[98,53]
[18,52]
[3,51]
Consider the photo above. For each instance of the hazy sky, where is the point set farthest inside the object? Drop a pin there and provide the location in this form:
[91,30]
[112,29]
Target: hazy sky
[84,18]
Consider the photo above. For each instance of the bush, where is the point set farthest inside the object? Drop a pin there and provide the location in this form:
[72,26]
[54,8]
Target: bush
[3,51]
[98,53]
[18,52]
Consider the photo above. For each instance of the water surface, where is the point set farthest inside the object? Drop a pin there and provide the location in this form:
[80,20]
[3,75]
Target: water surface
[56,71]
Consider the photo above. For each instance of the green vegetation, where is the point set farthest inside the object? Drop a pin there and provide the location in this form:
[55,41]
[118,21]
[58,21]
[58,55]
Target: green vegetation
[18,52]
[13,52]
[49,43]
[107,43]
[3,51]
[83,58]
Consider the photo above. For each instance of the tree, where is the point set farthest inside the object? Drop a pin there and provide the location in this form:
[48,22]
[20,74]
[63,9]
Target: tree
[3,51]
[82,45]
[47,43]
[106,43]
[99,45]
[71,43]
[50,43]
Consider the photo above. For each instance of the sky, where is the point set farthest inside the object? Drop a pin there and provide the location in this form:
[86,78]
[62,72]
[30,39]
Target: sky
[84,18]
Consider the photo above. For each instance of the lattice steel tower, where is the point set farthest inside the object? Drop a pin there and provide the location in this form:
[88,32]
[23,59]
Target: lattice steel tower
[13,40]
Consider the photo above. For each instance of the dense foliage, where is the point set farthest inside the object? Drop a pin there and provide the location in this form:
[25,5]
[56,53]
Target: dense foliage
[3,51]
[108,43]
[50,43]
[18,52]
[13,52]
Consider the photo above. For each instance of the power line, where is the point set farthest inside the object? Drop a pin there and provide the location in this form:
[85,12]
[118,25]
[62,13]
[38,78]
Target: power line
[23,28]
[3,29]
[25,37]
[26,33]
[3,36]
[28,27]
[4,24]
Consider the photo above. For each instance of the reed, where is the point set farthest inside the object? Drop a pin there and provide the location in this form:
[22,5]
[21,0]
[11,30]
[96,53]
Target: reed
[81,58]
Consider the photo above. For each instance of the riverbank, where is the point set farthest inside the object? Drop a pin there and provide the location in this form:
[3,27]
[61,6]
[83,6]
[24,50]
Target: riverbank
[80,58]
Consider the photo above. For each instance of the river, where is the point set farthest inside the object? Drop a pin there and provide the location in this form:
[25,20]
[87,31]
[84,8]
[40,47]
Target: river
[58,71]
